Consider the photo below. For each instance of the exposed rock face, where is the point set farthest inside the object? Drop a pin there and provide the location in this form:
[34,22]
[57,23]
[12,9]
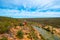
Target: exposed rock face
[57,31]
[13,32]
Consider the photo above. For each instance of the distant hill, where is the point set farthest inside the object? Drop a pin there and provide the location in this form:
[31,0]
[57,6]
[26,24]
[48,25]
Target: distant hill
[47,21]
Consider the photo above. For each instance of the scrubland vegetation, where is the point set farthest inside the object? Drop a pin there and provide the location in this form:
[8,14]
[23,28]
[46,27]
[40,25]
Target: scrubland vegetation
[20,34]
[55,22]
[3,38]
[6,23]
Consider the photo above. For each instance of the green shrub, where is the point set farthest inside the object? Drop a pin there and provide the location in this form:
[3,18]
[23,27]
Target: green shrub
[29,36]
[21,24]
[4,38]
[4,27]
[20,34]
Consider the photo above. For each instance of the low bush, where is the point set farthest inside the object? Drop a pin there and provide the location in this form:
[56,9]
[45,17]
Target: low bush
[3,38]
[21,24]
[4,27]
[20,34]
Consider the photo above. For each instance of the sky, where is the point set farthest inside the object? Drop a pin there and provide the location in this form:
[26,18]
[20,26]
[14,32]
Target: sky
[30,8]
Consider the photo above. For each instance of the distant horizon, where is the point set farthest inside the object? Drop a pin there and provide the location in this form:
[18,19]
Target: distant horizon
[30,17]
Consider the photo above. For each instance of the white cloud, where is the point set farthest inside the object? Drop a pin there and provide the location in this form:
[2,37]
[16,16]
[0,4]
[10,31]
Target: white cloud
[39,5]
[26,14]
[28,3]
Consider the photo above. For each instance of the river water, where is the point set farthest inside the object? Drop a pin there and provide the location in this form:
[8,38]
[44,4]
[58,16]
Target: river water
[46,35]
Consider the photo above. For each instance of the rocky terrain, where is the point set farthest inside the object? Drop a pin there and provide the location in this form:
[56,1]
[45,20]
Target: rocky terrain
[21,29]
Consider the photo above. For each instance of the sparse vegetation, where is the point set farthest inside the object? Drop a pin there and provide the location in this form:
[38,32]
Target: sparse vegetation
[4,27]
[6,23]
[3,38]
[20,34]
[29,36]
[21,24]
[55,22]
[32,34]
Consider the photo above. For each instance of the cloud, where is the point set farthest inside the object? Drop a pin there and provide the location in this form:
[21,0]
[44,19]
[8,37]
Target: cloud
[30,8]
[27,14]
[29,5]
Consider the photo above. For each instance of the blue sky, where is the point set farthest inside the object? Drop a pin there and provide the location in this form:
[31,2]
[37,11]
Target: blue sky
[30,8]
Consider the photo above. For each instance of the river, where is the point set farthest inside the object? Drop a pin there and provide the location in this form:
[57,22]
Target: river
[45,34]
